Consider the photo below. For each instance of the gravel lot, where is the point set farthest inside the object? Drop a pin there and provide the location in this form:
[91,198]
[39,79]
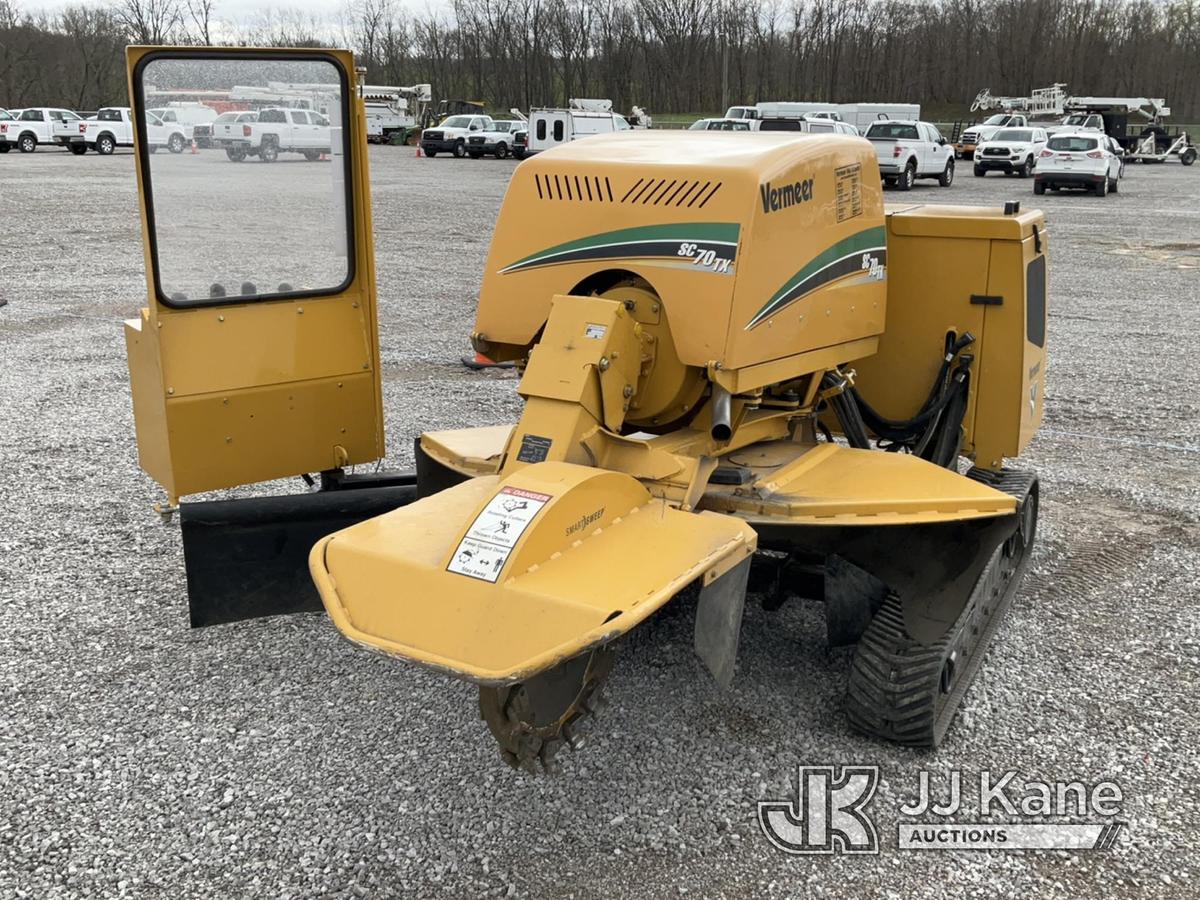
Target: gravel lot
[273,758]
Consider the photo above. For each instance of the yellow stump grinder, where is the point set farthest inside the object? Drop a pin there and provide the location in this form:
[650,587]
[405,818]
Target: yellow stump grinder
[739,369]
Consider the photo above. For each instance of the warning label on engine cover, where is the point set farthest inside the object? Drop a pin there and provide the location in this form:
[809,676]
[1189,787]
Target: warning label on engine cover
[848,190]
[490,540]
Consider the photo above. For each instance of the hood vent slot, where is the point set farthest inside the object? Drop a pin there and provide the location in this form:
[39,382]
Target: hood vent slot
[585,188]
[671,192]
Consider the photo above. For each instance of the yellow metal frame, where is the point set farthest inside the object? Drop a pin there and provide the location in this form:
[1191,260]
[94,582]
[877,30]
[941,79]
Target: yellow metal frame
[246,392]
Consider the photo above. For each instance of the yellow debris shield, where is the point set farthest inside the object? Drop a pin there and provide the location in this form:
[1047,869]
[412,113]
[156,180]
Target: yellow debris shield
[497,579]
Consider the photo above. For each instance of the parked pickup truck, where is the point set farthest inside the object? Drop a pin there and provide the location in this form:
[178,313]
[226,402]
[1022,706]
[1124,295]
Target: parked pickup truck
[910,150]
[37,125]
[975,135]
[496,140]
[113,128]
[202,134]
[278,130]
[451,136]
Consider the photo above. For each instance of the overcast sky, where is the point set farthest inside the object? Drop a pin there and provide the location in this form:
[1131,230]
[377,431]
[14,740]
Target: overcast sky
[243,10]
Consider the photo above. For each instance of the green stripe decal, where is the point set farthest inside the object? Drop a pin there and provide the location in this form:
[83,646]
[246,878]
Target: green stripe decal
[824,267]
[633,241]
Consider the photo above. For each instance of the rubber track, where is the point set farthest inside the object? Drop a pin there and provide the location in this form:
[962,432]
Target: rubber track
[894,691]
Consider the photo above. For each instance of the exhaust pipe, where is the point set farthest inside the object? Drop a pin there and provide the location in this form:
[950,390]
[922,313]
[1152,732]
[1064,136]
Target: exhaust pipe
[722,428]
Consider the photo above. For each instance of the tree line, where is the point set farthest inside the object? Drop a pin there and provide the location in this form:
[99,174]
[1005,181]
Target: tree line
[668,56]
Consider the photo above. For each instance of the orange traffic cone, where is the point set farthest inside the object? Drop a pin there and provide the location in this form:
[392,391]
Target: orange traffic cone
[419,153]
[479,361]
[194,149]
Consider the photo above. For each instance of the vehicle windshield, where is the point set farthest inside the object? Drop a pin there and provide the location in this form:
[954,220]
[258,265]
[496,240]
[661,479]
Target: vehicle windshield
[457,122]
[892,131]
[728,125]
[996,120]
[247,117]
[152,118]
[4,116]
[1072,144]
[1013,134]
[700,125]
[227,117]
[108,115]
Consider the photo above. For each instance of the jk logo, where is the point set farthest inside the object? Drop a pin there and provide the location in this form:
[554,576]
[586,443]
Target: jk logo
[827,815]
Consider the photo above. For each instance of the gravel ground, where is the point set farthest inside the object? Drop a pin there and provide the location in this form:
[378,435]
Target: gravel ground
[273,758]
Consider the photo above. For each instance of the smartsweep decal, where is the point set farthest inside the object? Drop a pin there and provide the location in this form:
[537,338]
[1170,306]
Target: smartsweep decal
[711,246]
[862,253]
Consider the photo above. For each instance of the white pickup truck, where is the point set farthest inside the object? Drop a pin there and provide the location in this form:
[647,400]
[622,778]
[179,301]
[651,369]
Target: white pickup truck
[910,150]
[278,130]
[37,125]
[451,135]
[113,128]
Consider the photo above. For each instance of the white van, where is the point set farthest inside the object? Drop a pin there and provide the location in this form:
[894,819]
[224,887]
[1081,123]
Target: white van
[551,127]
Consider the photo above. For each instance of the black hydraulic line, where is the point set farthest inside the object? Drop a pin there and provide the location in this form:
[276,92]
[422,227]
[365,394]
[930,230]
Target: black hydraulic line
[949,439]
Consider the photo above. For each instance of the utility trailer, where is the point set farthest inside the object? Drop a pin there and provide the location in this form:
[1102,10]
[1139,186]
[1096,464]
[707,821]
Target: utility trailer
[1148,148]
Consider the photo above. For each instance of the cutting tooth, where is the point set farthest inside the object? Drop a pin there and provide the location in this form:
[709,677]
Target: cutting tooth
[574,739]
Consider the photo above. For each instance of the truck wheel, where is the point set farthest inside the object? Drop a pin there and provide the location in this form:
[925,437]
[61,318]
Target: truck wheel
[1188,156]
[475,154]
[430,153]
[77,147]
[1113,186]
[502,151]
[269,151]
[980,171]
[1027,169]
[312,155]
[519,154]
[1039,187]
[105,145]
[907,177]
[235,154]
[947,177]
[175,143]
[1102,187]
[460,149]
[27,143]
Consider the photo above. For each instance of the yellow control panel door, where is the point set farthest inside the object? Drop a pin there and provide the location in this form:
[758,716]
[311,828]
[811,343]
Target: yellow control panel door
[256,356]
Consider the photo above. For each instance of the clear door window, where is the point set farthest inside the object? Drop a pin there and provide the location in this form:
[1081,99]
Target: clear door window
[255,216]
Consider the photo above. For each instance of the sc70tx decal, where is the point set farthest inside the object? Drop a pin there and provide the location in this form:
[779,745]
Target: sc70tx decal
[705,259]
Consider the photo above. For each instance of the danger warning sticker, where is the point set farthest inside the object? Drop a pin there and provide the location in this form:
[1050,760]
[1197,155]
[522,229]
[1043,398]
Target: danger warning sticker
[490,540]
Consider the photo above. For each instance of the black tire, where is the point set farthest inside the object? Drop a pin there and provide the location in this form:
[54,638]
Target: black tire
[27,143]
[1026,168]
[475,154]
[235,154]
[1101,188]
[430,153]
[175,143]
[460,149]
[105,145]
[312,155]
[268,152]
[1188,156]
[502,151]
[980,171]
[1039,187]
[889,181]
[908,177]
[519,154]
[947,177]
[77,147]
[1114,186]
